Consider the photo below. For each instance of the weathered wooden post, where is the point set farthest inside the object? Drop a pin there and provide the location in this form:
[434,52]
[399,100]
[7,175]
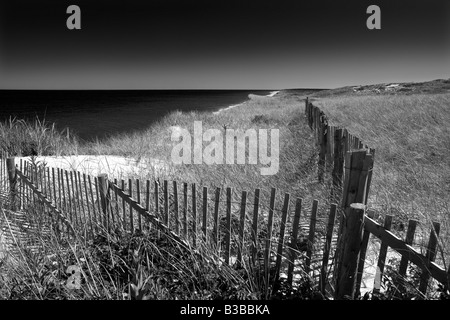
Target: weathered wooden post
[310,115]
[12,177]
[353,224]
[358,164]
[306,106]
[104,197]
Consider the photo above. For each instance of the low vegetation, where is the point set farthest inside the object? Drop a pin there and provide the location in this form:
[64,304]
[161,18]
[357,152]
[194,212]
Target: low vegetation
[114,265]
[22,138]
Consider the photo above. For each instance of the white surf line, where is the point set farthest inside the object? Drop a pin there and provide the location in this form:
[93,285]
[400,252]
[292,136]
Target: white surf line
[271,94]
[227,108]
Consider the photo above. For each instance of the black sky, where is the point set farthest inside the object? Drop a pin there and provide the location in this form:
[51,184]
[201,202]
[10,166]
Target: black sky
[221,44]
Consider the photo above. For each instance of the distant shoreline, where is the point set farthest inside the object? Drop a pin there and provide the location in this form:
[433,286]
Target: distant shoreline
[271,94]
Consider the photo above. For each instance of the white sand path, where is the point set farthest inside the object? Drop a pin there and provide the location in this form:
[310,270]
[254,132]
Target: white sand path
[113,166]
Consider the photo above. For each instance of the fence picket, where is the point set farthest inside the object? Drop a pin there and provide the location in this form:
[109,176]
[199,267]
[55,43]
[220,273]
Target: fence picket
[130,193]
[22,188]
[87,204]
[382,256]
[166,204]
[430,255]
[240,242]
[81,200]
[255,227]
[216,217]
[281,238]
[116,200]
[124,210]
[312,230]
[60,188]
[138,199]
[327,248]
[97,192]
[205,213]
[185,210]
[194,215]
[69,198]
[94,215]
[74,200]
[293,244]
[228,227]
[175,209]
[157,213]
[268,241]
[54,187]
[412,224]
[362,257]
[147,200]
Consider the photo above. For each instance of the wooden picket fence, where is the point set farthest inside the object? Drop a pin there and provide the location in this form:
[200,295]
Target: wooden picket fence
[342,153]
[283,237]
[286,238]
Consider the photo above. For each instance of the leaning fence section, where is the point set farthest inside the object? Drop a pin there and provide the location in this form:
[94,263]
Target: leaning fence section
[282,237]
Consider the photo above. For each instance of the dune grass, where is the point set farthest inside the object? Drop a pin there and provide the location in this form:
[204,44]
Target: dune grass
[120,266]
[297,152]
[411,135]
[24,138]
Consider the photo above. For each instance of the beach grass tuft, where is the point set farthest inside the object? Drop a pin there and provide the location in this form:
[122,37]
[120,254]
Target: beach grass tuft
[31,138]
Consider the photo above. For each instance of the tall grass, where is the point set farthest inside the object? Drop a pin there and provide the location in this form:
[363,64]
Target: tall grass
[411,135]
[297,161]
[24,138]
[120,266]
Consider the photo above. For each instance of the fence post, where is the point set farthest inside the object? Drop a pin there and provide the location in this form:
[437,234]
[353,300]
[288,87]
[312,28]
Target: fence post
[357,166]
[353,224]
[104,197]
[306,107]
[311,116]
[12,177]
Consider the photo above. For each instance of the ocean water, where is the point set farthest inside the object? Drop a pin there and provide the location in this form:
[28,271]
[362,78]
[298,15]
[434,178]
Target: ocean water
[97,114]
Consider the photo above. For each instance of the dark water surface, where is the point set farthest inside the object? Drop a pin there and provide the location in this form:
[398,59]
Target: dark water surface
[96,114]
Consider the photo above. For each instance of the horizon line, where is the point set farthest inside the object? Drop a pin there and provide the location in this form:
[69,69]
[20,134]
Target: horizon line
[140,89]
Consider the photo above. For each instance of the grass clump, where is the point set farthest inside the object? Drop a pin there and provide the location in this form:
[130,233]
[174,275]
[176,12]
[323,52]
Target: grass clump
[23,138]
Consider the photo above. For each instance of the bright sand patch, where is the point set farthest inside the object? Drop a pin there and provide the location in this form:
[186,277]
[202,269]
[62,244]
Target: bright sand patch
[114,166]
